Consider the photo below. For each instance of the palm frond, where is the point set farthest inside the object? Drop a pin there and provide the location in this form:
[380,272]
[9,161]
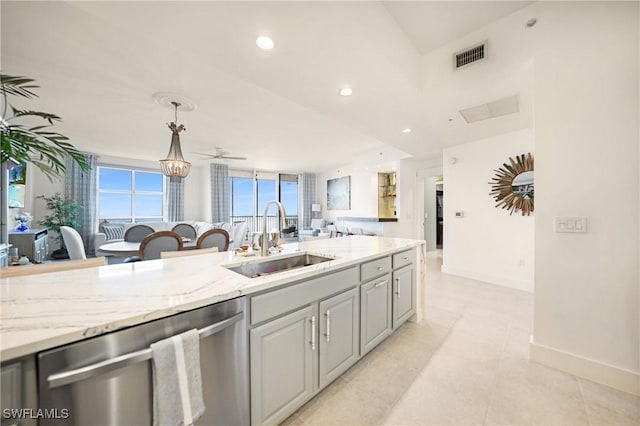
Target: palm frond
[37,145]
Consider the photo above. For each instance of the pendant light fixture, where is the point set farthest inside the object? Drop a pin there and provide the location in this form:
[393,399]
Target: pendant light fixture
[175,165]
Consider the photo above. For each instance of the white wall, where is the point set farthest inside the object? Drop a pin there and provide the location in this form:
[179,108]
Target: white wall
[364,191]
[587,131]
[409,201]
[364,197]
[487,243]
[197,197]
[430,213]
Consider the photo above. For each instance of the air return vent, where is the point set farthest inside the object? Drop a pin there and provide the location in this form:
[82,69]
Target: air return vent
[470,55]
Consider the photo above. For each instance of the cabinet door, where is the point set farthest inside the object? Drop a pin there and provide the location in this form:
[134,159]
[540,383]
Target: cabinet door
[339,338]
[282,365]
[375,312]
[404,296]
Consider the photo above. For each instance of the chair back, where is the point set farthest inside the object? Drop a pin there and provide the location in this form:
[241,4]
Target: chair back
[238,234]
[216,237]
[317,223]
[73,243]
[157,242]
[43,268]
[182,253]
[137,233]
[185,230]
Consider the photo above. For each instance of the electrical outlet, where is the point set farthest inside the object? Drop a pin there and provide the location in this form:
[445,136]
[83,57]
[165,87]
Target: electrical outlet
[459,214]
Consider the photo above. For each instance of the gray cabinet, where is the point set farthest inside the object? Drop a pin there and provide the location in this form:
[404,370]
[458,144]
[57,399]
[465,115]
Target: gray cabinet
[282,355]
[18,391]
[339,335]
[375,312]
[33,243]
[404,295]
[295,354]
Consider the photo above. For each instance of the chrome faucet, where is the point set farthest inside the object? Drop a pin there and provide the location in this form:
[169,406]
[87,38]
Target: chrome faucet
[283,224]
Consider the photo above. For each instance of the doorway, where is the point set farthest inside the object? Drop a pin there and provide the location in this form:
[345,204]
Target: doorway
[439,216]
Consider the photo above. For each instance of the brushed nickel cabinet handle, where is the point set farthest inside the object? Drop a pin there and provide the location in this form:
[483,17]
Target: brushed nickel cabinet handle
[380,283]
[328,333]
[313,333]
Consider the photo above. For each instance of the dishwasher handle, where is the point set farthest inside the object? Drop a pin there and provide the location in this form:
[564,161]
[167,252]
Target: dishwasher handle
[82,373]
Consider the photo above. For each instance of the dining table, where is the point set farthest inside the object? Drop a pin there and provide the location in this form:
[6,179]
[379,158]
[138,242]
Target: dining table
[131,248]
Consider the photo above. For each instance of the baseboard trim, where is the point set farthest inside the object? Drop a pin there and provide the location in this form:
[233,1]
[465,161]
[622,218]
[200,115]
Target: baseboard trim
[491,279]
[609,375]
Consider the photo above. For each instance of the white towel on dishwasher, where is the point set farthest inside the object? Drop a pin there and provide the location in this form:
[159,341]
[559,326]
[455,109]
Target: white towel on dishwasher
[177,380]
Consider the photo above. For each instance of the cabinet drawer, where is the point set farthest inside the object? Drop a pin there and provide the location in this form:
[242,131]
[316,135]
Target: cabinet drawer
[403,258]
[375,268]
[280,301]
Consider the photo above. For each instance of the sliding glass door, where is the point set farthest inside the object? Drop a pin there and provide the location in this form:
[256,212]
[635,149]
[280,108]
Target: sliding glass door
[250,191]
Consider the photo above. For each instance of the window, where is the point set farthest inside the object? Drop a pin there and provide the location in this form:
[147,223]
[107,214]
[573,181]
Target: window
[250,191]
[289,193]
[129,195]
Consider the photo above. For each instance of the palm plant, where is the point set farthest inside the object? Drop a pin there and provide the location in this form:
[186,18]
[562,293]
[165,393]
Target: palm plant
[64,212]
[37,145]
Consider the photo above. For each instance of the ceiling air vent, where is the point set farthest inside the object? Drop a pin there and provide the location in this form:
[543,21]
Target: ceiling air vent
[470,55]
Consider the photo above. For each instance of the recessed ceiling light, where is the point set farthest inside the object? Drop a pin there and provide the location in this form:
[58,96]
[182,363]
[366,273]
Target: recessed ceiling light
[264,43]
[346,91]
[407,130]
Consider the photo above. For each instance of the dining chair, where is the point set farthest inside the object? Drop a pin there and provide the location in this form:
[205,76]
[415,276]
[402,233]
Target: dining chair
[216,237]
[43,268]
[73,243]
[154,244]
[185,231]
[181,253]
[137,233]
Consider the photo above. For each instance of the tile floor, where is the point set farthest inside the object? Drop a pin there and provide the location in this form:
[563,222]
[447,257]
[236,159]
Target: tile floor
[466,364]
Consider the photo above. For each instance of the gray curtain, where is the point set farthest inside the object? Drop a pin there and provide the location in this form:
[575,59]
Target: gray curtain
[308,189]
[81,187]
[220,208]
[175,201]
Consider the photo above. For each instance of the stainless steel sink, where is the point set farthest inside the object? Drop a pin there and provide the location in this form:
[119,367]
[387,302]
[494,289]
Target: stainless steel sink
[282,264]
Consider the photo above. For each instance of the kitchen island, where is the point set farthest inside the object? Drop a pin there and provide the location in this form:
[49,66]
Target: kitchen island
[44,311]
[318,318]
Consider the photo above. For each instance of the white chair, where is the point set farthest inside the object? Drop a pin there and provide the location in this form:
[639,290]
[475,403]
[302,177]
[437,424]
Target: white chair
[238,234]
[73,243]
[314,229]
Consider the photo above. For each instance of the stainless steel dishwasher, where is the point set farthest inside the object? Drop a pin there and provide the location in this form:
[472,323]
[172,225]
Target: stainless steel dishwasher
[107,380]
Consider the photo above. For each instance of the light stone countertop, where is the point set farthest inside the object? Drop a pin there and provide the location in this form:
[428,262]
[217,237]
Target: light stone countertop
[47,310]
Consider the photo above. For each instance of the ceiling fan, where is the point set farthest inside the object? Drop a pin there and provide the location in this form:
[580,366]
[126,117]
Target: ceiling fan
[221,155]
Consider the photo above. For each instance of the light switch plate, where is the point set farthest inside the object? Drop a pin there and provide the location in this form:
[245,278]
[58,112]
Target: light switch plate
[570,224]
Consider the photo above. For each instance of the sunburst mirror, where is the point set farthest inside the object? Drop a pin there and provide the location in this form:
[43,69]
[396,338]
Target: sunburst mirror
[512,186]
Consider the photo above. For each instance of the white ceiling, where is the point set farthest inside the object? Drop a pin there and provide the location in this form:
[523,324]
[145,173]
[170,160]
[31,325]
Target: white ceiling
[99,63]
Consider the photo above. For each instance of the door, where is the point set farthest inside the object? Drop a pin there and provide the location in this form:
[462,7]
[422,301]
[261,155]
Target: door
[375,312]
[282,365]
[339,339]
[404,297]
